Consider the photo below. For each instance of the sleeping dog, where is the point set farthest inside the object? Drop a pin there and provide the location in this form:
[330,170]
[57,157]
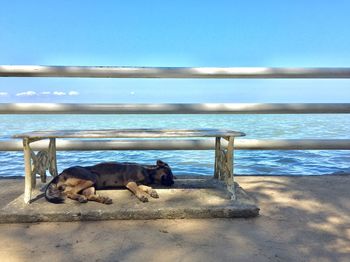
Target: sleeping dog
[80,183]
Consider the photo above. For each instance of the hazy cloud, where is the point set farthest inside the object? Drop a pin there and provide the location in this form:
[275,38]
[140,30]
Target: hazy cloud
[73,93]
[3,93]
[132,93]
[43,93]
[59,93]
[27,93]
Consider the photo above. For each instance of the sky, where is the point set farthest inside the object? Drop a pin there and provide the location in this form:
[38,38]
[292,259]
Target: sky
[189,33]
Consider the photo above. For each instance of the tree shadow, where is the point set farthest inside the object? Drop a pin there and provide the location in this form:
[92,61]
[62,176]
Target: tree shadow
[302,219]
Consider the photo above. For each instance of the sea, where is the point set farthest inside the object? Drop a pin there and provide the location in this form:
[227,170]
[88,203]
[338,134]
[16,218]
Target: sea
[197,162]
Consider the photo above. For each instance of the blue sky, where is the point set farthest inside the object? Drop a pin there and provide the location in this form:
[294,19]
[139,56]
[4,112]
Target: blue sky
[189,33]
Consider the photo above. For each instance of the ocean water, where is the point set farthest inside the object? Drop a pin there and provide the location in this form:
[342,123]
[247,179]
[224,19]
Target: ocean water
[247,162]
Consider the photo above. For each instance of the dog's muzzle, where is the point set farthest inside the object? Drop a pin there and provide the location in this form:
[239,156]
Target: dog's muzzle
[167,181]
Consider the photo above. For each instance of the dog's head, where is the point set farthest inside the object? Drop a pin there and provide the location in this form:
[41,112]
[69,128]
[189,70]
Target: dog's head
[163,174]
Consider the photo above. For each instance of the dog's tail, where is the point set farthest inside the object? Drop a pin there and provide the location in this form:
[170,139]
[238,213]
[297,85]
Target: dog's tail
[54,194]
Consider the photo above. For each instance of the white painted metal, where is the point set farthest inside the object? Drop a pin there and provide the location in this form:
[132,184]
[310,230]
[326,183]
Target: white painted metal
[204,144]
[175,72]
[228,108]
[130,133]
[170,72]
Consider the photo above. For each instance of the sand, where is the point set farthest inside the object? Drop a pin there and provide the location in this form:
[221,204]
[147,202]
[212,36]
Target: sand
[301,219]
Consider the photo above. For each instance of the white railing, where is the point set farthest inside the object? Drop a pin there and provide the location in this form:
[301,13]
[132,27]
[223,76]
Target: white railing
[171,72]
[204,144]
[242,108]
[176,72]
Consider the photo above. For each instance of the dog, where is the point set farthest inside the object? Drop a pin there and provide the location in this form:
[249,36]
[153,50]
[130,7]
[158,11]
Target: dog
[80,183]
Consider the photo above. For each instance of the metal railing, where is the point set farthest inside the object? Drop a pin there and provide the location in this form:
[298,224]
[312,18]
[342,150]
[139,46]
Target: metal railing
[203,144]
[171,72]
[175,72]
[242,108]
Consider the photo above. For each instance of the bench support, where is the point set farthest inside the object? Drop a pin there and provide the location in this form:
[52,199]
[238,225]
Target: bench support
[29,181]
[52,157]
[217,158]
[230,174]
[223,167]
[37,164]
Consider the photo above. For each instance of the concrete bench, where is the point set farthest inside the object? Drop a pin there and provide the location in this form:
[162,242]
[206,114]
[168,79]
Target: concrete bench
[46,159]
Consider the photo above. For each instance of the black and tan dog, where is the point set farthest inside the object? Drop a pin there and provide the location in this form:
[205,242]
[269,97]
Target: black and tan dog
[80,183]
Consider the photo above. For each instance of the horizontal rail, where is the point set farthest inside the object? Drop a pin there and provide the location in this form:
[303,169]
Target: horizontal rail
[228,108]
[203,144]
[170,72]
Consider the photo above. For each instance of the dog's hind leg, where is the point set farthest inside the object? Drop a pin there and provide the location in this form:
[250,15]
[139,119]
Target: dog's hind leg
[74,187]
[132,186]
[90,194]
[149,190]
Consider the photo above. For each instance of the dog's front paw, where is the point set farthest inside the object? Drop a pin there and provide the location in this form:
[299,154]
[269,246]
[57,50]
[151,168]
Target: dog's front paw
[82,199]
[153,194]
[143,198]
[107,201]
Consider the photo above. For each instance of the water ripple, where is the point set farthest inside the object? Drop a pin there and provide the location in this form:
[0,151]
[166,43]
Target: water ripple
[315,162]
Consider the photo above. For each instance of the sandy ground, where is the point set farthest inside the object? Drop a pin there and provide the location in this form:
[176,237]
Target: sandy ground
[302,219]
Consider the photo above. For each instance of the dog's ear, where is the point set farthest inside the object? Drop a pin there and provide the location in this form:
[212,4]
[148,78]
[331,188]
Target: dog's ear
[160,163]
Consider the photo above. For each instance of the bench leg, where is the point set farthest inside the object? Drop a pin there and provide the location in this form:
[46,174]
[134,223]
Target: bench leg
[223,168]
[229,164]
[30,169]
[217,158]
[52,157]
[29,181]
